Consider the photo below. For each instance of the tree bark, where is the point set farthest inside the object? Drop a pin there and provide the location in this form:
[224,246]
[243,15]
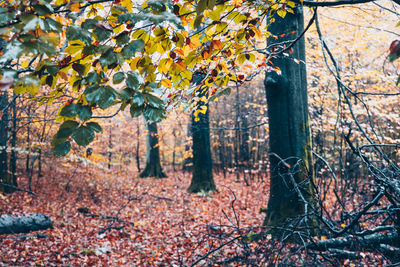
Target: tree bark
[13,158]
[5,177]
[138,146]
[24,224]
[153,166]
[289,130]
[187,163]
[202,179]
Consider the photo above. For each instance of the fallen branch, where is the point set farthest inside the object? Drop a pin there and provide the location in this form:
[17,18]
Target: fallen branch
[10,224]
[365,242]
[19,189]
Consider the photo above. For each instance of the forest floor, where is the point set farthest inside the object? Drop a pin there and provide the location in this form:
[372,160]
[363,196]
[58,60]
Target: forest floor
[158,223]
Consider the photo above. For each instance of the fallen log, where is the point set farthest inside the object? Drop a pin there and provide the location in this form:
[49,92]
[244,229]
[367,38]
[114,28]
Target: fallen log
[11,224]
[360,242]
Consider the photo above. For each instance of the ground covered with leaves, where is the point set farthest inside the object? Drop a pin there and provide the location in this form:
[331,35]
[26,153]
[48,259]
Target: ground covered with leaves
[115,218]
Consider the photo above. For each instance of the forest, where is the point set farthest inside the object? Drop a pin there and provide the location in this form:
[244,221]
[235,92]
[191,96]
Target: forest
[199,133]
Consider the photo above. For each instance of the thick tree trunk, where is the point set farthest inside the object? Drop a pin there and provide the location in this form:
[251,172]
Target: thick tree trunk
[5,176]
[289,129]
[202,179]
[24,224]
[153,166]
[13,158]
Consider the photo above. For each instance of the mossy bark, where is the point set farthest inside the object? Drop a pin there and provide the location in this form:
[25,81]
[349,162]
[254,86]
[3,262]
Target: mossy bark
[202,179]
[289,130]
[153,165]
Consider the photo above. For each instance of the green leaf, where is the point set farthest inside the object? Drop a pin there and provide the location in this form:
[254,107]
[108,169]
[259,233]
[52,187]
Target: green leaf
[155,101]
[126,94]
[118,77]
[136,111]
[122,38]
[65,131]
[70,110]
[102,34]
[6,16]
[94,126]
[92,77]
[138,99]
[89,24]
[108,58]
[83,136]
[132,81]
[153,114]
[43,10]
[30,21]
[107,97]
[92,93]
[131,17]
[129,50]
[77,33]
[62,149]
[52,69]
[46,48]
[54,26]
[69,124]
[85,113]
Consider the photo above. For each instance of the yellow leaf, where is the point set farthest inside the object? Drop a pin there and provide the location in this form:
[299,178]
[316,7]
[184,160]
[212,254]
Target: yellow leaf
[128,4]
[256,31]
[215,15]
[343,225]
[275,6]
[60,2]
[74,47]
[164,65]
[281,13]
[166,83]
[237,3]
[75,7]
[179,52]
[24,64]
[195,42]
[134,63]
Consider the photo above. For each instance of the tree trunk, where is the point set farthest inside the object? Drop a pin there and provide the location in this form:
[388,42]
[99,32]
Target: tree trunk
[153,166]
[187,163]
[289,130]
[244,141]
[5,177]
[202,179]
[110,146]
[138,145]
[13,158]
[24,224]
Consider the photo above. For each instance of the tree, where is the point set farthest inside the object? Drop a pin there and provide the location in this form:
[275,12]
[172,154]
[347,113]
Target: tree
[202,176]
[153,166]
[5,177]
[289,130]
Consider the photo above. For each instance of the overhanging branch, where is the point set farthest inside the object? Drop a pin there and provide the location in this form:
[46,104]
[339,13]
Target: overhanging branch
[334,3]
